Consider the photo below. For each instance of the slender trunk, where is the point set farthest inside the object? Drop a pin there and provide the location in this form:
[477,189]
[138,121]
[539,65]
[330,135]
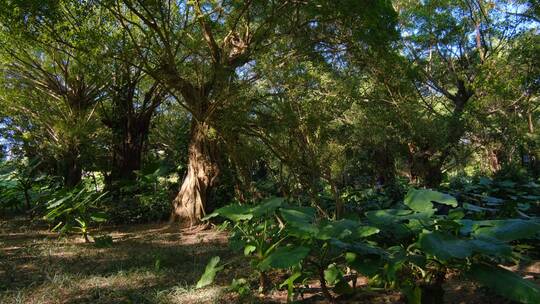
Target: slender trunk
[337,199]
[530,123]
[27,198]
[72,170]
[193,199]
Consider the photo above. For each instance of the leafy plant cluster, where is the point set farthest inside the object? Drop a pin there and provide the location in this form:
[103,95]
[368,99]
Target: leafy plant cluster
[23,187]
[146,199]
[412,247]
[75,210]
[500,197]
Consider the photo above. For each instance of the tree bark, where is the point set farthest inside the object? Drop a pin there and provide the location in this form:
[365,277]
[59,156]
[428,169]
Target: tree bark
[194,197]
[72,171]
[127,150]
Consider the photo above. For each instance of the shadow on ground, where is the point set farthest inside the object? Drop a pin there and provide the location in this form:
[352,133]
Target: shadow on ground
[146,264]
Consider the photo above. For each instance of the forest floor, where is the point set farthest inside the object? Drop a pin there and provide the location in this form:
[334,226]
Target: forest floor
[146,264]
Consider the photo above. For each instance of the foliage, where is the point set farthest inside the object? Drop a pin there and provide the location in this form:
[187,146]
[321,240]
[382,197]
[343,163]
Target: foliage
[75,210]
[146,199]
[411,248]
[350,117]
[209,273]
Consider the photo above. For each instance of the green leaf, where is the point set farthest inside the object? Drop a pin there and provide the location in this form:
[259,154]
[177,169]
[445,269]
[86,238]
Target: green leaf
[491,247]
[298,215]
[505,283]
[332,274]
[299,220]
[58,202]
[235,213]
[209,273]
[507,230]
[421,200]
[290,284]
[268,206]
[99,217]
[360,248]
[475,208]
[444,246]
[366,231]
[337,229]
[249,249]
[284,257]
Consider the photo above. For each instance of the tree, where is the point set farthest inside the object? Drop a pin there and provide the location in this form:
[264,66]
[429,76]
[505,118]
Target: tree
[131,104]
[199,48]
[454,48]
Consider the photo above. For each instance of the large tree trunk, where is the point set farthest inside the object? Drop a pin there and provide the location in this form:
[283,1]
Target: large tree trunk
[193,199]
[127,153]
[126,160]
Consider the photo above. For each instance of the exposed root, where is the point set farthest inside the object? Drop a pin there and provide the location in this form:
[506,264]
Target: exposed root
[195,228]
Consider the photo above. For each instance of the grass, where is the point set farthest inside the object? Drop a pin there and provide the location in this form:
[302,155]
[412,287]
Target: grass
[146,264]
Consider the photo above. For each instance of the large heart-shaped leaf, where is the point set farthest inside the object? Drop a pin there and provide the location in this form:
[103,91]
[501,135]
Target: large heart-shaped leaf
[300,221]
[234,213]
[284,257]
[267,207]
[421,200]
[444,246]
[337,229]
[507,230]
[505,283]
[298,215]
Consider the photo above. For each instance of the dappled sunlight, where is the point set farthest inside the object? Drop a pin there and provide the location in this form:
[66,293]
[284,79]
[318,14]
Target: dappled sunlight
[145,263]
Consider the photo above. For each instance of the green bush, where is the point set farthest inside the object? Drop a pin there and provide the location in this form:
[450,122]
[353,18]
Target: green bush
[410,248]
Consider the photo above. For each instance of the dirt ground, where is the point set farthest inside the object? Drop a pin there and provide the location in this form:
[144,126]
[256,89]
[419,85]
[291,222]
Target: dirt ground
[146,264]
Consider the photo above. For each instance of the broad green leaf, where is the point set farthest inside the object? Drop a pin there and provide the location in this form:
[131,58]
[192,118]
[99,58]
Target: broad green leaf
[475,208]
[210,272]
[300,221]
[421,200]
[444,246]
[365,231]
[332,274]
[235,213]
[506,283]
[267,207]
[284,257]
[507,230]
[393,221]
[393,216]
[491,247]
[337,229]
[360,248]
[298,215]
